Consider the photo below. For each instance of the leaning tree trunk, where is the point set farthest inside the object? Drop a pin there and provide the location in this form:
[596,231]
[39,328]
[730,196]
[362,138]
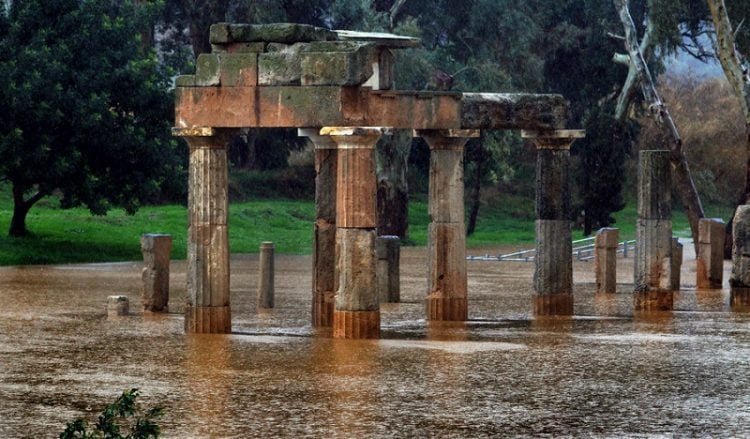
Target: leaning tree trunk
[737,70]
[478,155]
[682,178]
[21,209]
[392,156]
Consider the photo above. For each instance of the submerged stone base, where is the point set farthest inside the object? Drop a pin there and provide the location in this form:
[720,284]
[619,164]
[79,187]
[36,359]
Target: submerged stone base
[454,309]
[208,319]
[356,324]
[654,300]
[553,305]
[740,298]
[322,309]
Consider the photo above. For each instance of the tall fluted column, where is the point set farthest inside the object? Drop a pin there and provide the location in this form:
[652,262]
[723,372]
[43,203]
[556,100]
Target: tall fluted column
[207,309]
[447,291]
[357,309]
[553,274]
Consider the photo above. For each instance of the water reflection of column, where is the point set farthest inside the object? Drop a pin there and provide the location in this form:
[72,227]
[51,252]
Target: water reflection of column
[553,274]
[447,284]
[207,383]
[356,404]
[740,277]
[207,309]
[324,235]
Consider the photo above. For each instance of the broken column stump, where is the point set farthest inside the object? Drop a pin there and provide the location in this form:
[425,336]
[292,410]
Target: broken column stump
[653,252]
[553,273]
[447,284]
[710,263]
[207,309]
[605,255]
[265,276]
[117,306]
[388,249]
[156,249]
[739,280]
[676,264]
[357,310]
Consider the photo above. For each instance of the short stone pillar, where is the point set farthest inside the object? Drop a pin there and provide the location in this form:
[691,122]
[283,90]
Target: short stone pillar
[117,306]
[324,230]
[207,309]
[739,280]
[553,273]
[710,263]
[388,249]
[447,283]
[605,256]
[156,249]
[265,276]
[357,309]
[653,252]
[677,252]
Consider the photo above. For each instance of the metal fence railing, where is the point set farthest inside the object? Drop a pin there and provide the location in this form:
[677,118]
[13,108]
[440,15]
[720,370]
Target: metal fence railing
[583,250]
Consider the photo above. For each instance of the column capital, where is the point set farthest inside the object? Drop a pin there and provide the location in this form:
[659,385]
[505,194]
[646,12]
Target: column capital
[553,139]
[206,137]
[320,142]
[454,140]
[355,137]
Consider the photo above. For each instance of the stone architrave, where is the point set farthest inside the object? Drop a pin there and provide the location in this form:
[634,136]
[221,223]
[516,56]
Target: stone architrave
[605,255]
[676,264]
[155,249]
[357,309]
[553,274]
[207,309]
[324,230]
[265,276]
[653,252]
[739,280]
[388,249]
[710,263]
[447,297]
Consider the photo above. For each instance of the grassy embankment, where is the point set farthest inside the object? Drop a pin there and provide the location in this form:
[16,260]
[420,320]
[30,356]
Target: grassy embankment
[74,235]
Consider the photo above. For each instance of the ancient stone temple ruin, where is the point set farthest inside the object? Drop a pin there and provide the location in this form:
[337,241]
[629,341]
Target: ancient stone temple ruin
[337,88]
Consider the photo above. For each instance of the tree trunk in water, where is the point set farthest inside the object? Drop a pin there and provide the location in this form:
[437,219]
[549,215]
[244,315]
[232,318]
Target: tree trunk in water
[683,179]
[478,156]
[737,71]
[391,157]
[21,208]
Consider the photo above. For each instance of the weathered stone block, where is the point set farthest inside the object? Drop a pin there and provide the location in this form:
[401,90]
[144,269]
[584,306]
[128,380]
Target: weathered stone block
[356,203]
[446,260]
[207,70]
[553,305]
[324,273]
[356,324]
[185,81]
[280,68]
[513,111]
[653,255]
[605,256]
[677,253]
[338,68]
[223,33]
[553,273]
[414,109]
[607,237]
[266,276]
[553,184]
[356,265]
[446,189]
[654,185]
[258,47]
[156,249]
[710,263]
[117,306]
[740,277]
[239,70]
[325,182]
[388,251]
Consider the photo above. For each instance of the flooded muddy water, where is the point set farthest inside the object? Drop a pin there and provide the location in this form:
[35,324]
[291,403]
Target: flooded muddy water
[602,373]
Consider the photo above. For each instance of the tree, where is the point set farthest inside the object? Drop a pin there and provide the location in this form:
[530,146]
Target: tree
[86,109]
[122,414]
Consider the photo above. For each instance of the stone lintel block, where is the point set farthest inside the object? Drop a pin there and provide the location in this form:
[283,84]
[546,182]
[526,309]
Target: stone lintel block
[553,272]
[419,110]
[281,67]
[356,324]
[553,185]
[608,237]
[208,319]
[215,107]
[446,258]
[290,106]
[223,33]
[447,309]
[338,68]
[446,189]
[513,111]
[653,254]
[117,306]
[185,81]
[653,300]
[740,276]
[356,190]
[560,304]
[208,70]
[208,265]
[654,185]
[356,265]
[239,70]
[677,253]
[258,47]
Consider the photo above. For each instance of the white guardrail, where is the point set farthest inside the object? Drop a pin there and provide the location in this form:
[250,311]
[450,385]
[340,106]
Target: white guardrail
[583,250]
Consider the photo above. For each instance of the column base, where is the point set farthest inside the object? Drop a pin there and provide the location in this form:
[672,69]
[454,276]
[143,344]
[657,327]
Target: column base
[702,279]
[740,298]
[208,320]
[322,309]
[450,309]
[553,305]
[356,324]
[654,300]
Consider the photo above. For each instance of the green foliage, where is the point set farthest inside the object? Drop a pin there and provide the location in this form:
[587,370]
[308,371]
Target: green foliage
[119,420]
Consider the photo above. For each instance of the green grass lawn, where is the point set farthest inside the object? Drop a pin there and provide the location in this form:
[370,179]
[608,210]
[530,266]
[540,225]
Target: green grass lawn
[74,235]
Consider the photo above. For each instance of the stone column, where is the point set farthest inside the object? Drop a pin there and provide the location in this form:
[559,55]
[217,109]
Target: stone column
[155,275]
[653,251]
[553,274]
[446,285]
[324,233]
[207,309]
[357,309]
[605,254]
[710,263]
[265,276]
[387,249]
[676,264]
[739,280]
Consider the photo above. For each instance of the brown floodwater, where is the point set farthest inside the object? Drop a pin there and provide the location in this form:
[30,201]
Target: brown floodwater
[602,373]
